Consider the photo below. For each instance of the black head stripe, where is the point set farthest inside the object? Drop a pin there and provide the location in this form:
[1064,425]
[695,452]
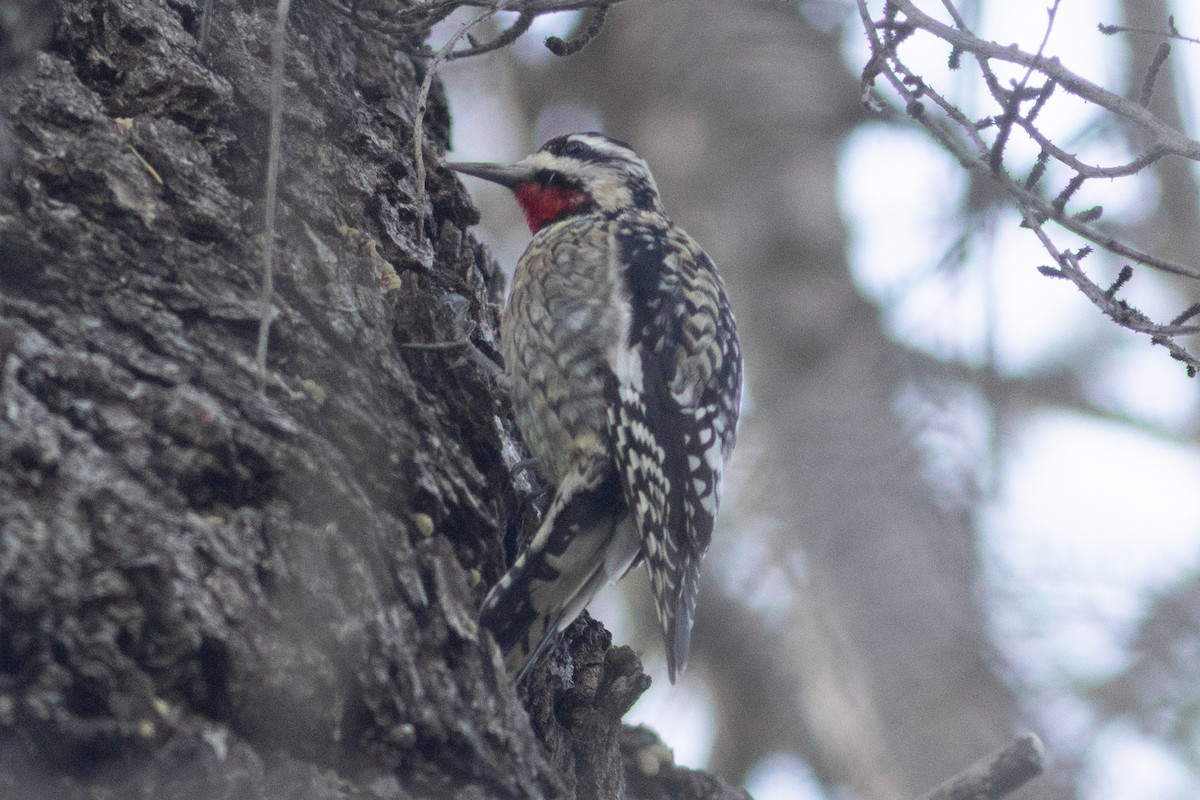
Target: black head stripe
[572,147]
[575,145]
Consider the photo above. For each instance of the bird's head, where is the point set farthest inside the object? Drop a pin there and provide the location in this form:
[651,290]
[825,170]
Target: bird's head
[579,173]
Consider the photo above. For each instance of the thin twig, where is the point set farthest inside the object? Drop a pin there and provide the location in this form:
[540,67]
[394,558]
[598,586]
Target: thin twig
[419,116]
[1160,58]
[963,138]
[1186,314]
[580,40]
[514,32]
[457,344]
[1111,29]
[977,154]
[1170,138]
[529,9]
[1012,108]
[419,18]
[1090,170]
[278,40]
[1122,314]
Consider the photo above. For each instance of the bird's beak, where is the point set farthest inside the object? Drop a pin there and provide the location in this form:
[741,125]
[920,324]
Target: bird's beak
[510,176]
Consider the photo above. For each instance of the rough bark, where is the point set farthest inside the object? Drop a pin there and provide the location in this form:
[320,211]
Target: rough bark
[208,590]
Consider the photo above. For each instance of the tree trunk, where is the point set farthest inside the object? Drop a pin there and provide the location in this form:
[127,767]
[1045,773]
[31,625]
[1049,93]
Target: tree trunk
[212,590]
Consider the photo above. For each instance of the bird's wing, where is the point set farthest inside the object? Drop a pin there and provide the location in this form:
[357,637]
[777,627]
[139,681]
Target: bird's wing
[679,388]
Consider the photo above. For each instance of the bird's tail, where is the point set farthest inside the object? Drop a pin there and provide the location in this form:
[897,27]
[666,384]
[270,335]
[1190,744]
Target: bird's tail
[586,539]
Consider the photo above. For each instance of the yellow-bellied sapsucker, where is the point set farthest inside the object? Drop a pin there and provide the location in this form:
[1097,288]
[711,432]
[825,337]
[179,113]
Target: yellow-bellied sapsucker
[626,377]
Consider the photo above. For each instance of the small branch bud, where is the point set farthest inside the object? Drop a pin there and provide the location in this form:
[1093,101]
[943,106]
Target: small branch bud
[1122,279]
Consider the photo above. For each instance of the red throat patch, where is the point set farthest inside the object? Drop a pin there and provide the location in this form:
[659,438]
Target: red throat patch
[544,204]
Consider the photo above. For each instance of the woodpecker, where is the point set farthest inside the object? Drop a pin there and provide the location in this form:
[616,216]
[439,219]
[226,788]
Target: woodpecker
[626,376]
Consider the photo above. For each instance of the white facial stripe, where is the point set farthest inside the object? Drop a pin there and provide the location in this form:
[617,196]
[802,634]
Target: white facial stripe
[610,177]
[543,160]
[608,148]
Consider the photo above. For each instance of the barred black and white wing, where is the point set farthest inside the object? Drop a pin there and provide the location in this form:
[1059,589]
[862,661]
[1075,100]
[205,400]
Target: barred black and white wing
[679,392]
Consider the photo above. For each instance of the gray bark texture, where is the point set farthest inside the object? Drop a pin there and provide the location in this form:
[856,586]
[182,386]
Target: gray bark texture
[212,591]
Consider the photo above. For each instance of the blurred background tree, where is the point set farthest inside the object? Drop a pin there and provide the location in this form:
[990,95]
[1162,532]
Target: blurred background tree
[964,502]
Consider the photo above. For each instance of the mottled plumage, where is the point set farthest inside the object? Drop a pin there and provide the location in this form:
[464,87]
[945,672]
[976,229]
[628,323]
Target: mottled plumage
[625,374]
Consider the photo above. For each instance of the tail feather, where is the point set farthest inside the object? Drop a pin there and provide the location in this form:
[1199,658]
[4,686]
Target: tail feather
[585,540]
[677,626]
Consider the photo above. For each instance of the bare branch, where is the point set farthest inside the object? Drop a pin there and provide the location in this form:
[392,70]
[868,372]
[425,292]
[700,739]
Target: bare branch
[580,40]
[996,775]
[1171,139]
[1012,106]
[514,32]
[980,145]
[1109,30]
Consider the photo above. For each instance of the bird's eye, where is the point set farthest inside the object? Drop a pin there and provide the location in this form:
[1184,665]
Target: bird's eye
[574,148]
